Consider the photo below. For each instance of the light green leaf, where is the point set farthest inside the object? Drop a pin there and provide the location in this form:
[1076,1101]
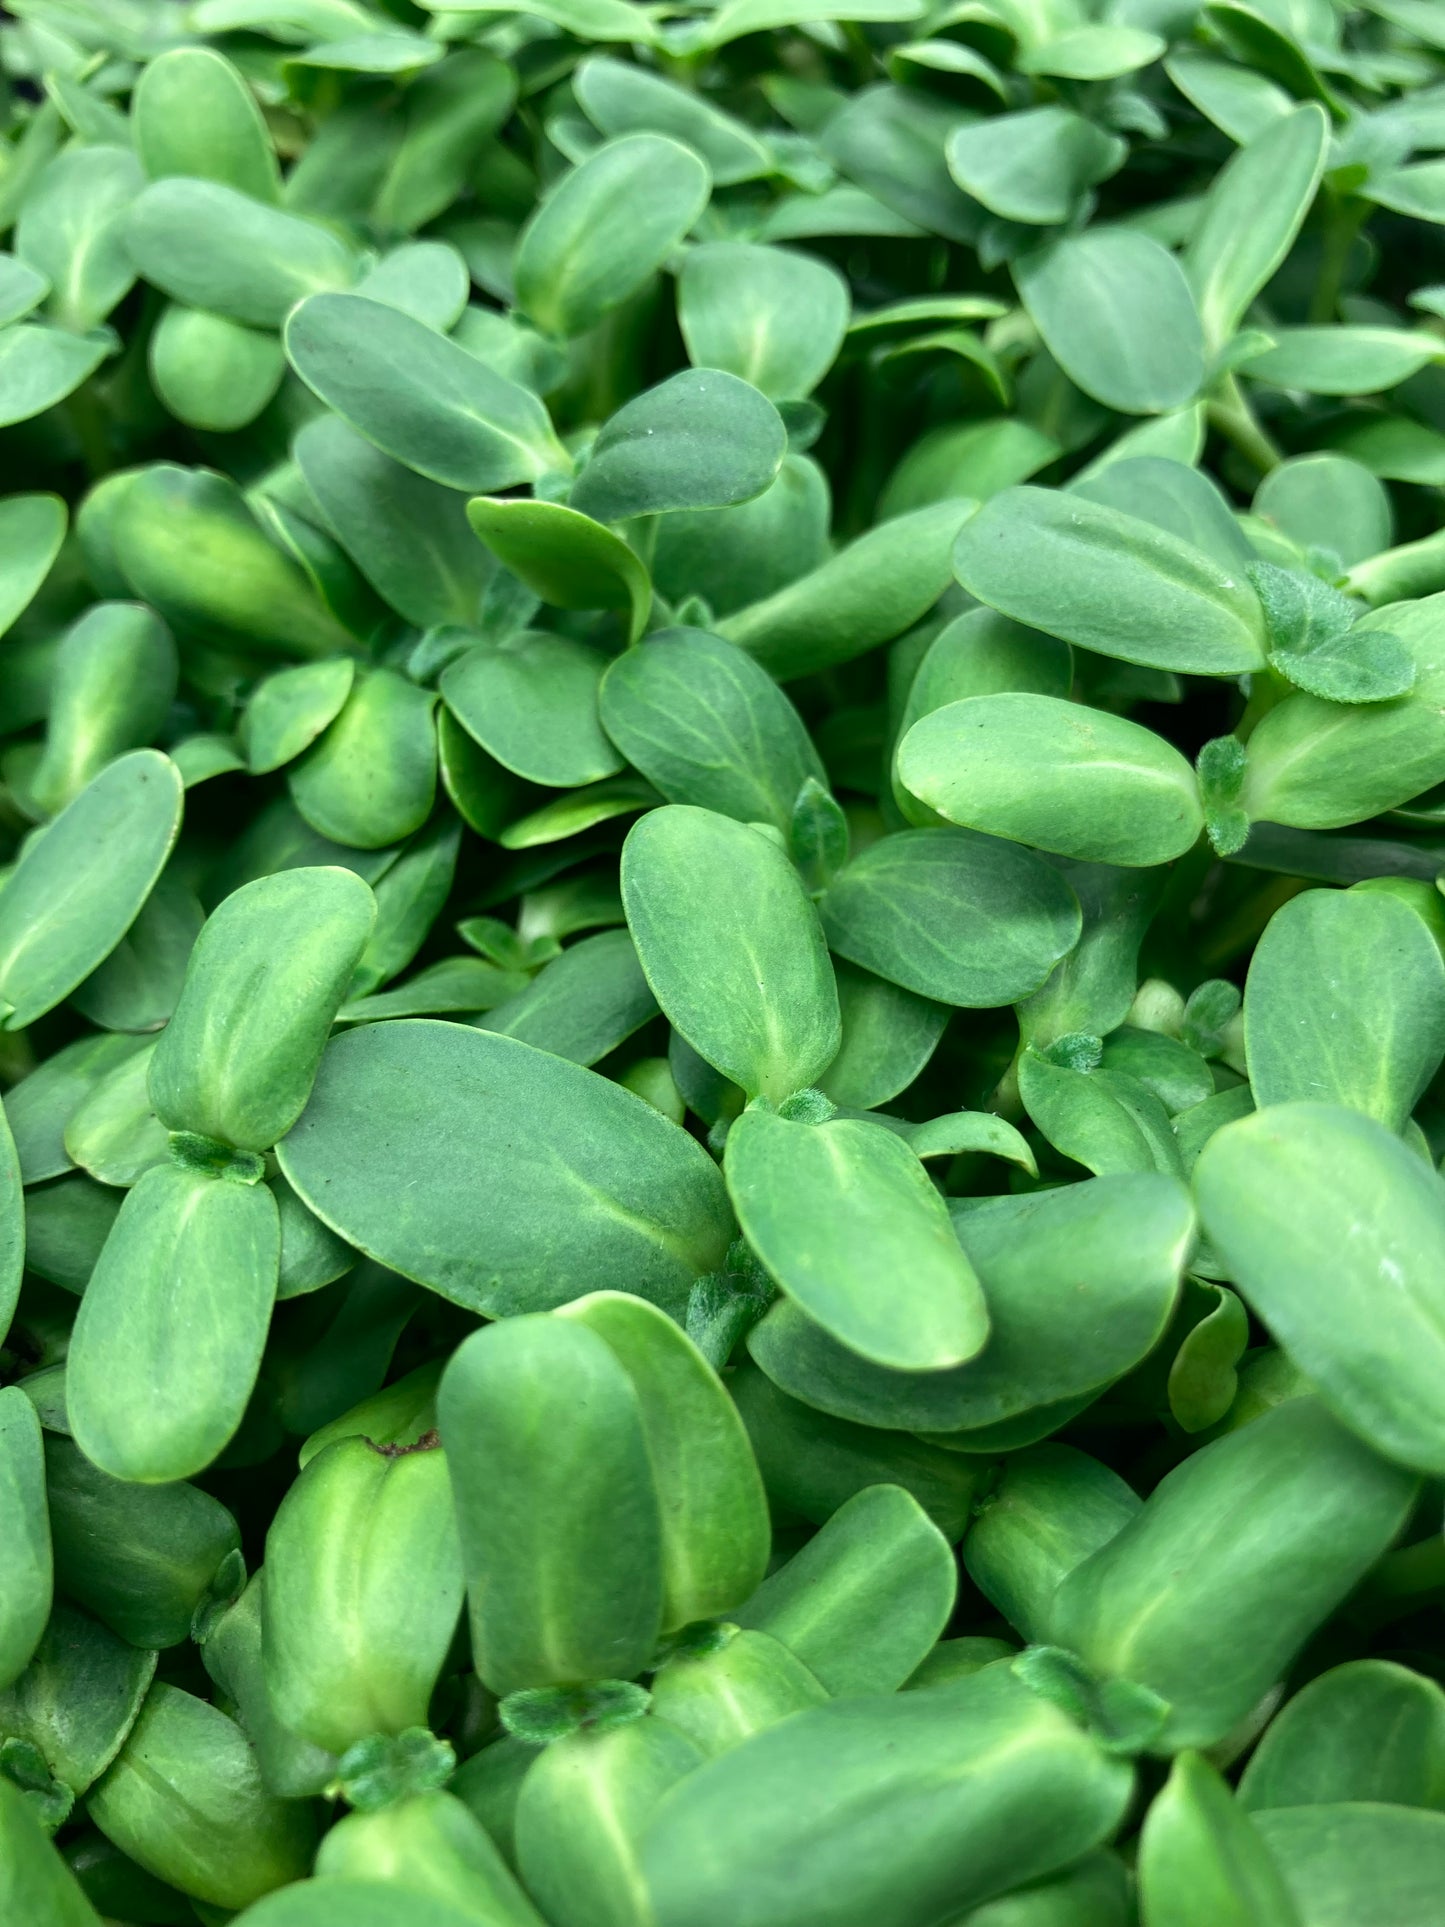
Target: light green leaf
[185,541]
[601,20]
[1345,1004]
[620,98]
[1111,583]
[1328,502]
[563,1554]
[419,397]
[531,702]
[1238,1556]
[32,528]
[1202,1863]
[605,230]
[1367,1730]
[706,725]
[889,1034]
[715,1532]
[1116,313]
[409,537]
[34,1878]
[700,440]
[1252,213]
[864,1600]
[369,779]
[583,1004]
[289,710]
[193,114]
[1079,1281]
[1101,51]
[978,1786]
[27,1589]
[1035,166]
[774,317]
[203,243]
[41,366]
[564,556]
[1343,361]
[868,593]
[1312,1207]
[72,229]
[1343,1863]
[363,1591]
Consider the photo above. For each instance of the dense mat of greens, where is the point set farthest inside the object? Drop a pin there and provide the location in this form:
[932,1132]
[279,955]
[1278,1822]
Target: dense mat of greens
[722,773]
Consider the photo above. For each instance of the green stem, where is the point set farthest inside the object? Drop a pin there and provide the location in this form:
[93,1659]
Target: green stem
[87,418]
[1401,575]
[1235,420]
[1346,216]
[1266,688]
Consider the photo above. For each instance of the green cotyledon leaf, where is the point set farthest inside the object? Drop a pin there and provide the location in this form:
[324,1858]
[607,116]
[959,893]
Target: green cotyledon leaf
[807,1818]
[571,1589]
[556,1181]
[27,1588]
[418,396]
[1236,1558]
[965,919]
[1116,312]
[34,1879]
[193,115]
[83,880]
[184,1797]
[830,1207]
[1367,1730]
[607,226]
[1202,1860]
[1337,1860]
[731,947]
[168,1341]
[1110,582]
[706,725]
[213,247]
[267,975]
[1316,1025]
[1079,1282]
[864,1600]
[347,1653]
[715,1532]
[437,1847]
[770,315]
[702,439]
[1314,1209]
[1075,781]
